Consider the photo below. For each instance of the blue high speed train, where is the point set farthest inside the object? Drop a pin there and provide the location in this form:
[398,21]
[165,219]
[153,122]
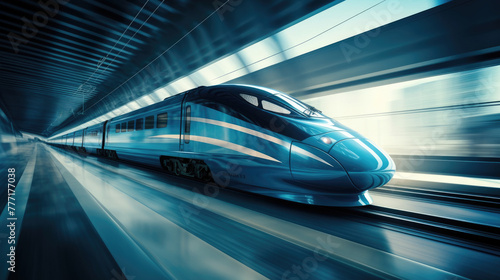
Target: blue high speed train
[264,141]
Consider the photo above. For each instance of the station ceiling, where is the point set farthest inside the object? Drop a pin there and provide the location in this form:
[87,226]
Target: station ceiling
[63,62]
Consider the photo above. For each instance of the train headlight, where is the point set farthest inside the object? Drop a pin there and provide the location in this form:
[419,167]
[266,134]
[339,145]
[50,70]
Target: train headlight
[326,140]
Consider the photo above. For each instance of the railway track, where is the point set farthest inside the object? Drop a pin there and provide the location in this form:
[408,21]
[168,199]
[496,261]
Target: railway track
[463,233]
[488,202]
[467,234]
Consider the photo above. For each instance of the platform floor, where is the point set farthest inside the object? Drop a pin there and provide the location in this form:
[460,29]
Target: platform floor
[84,217]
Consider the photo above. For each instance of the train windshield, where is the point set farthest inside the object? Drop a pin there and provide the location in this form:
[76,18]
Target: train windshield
[299,106]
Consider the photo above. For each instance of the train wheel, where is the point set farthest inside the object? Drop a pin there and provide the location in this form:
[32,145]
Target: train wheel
[202,173]
[190,168]
[199,174]
[177,168]
[169,165]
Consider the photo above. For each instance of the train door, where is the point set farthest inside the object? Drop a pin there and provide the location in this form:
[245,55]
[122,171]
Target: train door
[108,129]
[103,132]
[186,128]
[83,136]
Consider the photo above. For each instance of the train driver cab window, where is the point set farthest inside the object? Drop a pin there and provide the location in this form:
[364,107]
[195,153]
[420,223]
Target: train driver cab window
[161,120]
[130,126]
[139,124]
[124,127]
[266,105]
[117,128]
[150,122]
[250,99]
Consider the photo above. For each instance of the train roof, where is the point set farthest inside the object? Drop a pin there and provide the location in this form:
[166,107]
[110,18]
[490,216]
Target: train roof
[233,88]
[173,98]
[230,88]
[266,93]
[236,88]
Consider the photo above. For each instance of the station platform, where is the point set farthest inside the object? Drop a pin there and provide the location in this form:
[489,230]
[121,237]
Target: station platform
[94,218]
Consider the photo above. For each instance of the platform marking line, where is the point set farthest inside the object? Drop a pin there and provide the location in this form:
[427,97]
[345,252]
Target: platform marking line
[126,252]
[352,253]
[84,178]
[22,189]
[387,265]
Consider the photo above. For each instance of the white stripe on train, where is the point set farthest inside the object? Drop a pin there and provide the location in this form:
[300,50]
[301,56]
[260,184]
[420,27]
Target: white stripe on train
[221,143]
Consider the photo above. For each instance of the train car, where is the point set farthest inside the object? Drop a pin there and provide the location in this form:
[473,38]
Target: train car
[78,140]
[136,136]
[249,138]
[93,139]
[70,140]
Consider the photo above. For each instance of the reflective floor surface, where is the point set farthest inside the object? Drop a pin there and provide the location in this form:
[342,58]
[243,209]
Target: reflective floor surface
[86,217]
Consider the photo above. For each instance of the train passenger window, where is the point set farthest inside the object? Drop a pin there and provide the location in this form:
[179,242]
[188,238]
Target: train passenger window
[117,128]
[124,127]
[161,120]
[139,124]
[250,99]
[150,122]
[131,126]
[266,105]
[187,125]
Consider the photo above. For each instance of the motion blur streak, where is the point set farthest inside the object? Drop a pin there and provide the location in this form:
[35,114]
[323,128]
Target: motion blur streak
[419,79]
[448,115]
[334,24]
[458,180]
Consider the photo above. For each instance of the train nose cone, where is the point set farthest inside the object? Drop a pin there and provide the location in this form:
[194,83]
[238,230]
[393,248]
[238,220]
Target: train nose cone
[318,170]
[367,165]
